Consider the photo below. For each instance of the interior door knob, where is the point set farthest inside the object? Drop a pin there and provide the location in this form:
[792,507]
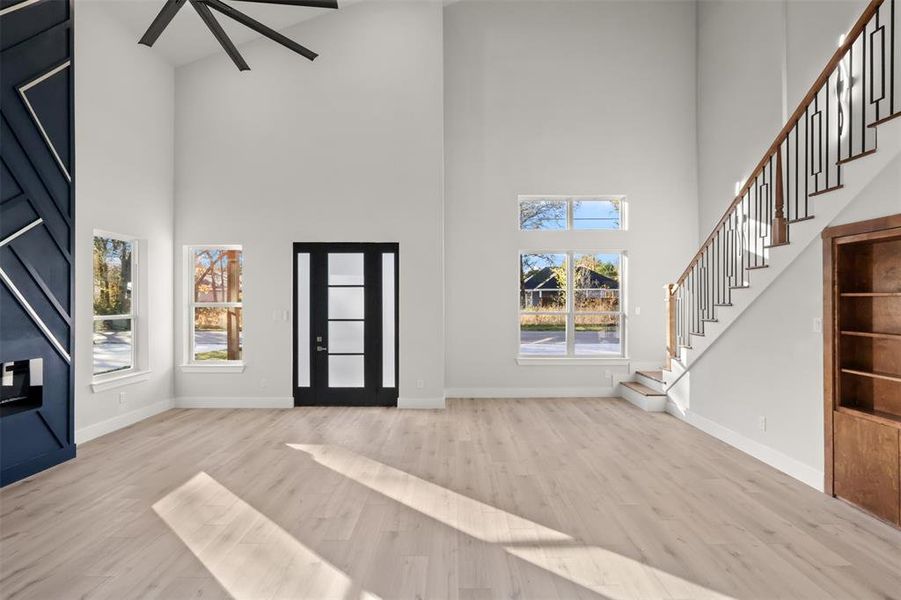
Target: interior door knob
[321,348]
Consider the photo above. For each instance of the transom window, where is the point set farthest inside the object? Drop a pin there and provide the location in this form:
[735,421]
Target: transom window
[570,304]
[571,212]
[216,304]
[114,304]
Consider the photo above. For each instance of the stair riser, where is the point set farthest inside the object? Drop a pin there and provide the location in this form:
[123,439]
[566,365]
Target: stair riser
[651,383]
[646,403]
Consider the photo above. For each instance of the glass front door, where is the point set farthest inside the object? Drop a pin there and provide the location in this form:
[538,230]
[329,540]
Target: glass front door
[345,315]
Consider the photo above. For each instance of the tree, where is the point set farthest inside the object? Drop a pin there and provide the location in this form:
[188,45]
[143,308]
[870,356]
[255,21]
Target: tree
[112,276]
[532,215]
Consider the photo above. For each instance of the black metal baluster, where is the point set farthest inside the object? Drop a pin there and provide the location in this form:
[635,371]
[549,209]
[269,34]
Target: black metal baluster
[768,224]
[863,91]
[892,54]
[881,66]
[797,173]
[807,166]
[850,101]
[827,133]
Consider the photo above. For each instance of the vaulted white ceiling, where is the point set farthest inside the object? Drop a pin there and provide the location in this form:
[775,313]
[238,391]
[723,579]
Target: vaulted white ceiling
[187,39]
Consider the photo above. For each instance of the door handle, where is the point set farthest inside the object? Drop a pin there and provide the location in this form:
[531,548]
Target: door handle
[321,348]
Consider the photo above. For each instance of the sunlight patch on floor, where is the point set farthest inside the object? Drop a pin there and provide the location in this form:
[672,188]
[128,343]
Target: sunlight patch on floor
[250,556]
[613,575]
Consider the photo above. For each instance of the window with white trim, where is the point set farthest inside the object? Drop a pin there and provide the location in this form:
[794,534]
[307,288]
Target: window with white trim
[570,304]
[574,213]
[215,307]
[114,329]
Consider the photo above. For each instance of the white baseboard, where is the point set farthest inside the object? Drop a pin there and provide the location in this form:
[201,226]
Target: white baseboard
[788,465]
[531,392]
[96,430]
[242,402]
[421,403]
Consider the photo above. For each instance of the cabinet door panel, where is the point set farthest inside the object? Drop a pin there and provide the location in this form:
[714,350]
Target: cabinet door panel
[867,465]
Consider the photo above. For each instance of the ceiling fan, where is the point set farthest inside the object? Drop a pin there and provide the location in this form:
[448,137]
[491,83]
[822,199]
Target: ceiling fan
[203,7]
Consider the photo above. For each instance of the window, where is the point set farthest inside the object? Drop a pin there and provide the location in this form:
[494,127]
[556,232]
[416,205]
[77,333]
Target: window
[216,310]
[571,212]
[570,304]
[114,304]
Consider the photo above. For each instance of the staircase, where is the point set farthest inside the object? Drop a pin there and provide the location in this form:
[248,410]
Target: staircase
[647,391]
[820,161]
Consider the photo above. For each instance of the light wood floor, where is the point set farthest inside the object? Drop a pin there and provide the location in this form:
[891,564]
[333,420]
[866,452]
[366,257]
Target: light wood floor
[568,498]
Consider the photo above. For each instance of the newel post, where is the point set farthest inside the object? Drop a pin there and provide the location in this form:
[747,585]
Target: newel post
[670,325]
[779,226]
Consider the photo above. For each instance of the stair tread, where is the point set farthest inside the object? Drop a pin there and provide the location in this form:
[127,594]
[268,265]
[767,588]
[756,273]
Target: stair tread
[655,375]
[642,389]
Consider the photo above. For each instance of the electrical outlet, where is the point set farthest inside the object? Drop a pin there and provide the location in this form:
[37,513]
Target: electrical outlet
[420,384]
[122,397]
[761,423]
[817,325]
[637,310]
[264,382]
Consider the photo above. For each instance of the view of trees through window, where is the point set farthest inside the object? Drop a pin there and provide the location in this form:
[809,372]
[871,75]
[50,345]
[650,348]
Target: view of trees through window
[217,304]
[113,344]
[581,213]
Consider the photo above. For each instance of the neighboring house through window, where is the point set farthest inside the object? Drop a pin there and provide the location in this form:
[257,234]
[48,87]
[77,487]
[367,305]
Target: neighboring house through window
[571,300]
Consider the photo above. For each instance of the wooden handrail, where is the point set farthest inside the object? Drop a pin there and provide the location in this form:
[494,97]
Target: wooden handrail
[823,78]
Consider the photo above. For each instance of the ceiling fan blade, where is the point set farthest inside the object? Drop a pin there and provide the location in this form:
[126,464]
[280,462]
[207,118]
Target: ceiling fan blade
[273,35]
[219,33]
[162,20]
[312,3]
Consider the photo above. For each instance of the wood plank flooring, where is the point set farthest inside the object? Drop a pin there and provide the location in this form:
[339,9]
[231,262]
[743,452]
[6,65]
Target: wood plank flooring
[562,498]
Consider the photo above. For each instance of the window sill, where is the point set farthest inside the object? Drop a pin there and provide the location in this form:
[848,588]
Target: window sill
[110,383]
[223,367]
[572,361]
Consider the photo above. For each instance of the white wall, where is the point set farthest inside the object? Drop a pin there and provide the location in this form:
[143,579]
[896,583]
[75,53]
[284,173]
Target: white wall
[348,148]
[740,53]
[562,98]
[776,337]
[124,103]
[756,60]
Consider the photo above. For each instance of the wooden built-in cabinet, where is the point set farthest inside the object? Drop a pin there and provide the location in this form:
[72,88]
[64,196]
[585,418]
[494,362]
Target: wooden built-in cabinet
[862,352]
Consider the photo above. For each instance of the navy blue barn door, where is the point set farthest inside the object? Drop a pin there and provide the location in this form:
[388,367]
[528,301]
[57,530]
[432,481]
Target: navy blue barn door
[37,210]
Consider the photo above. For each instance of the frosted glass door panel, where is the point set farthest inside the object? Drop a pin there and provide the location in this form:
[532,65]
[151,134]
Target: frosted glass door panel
[388,325]
[345,371]
[345,269]
[345,303]
[303,320]
[345,337]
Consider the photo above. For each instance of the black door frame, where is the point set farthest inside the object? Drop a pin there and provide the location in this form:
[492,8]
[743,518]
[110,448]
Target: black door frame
[373,394]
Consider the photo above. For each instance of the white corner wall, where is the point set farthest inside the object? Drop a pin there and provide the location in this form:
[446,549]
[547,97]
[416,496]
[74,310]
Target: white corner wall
[124,105]
[348,148]
[563,98]
[776,337]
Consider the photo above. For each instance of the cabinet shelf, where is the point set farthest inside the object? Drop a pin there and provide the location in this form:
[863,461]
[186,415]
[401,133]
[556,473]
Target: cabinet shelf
[873,334]
[873,374]
[871,415]
[871,294]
